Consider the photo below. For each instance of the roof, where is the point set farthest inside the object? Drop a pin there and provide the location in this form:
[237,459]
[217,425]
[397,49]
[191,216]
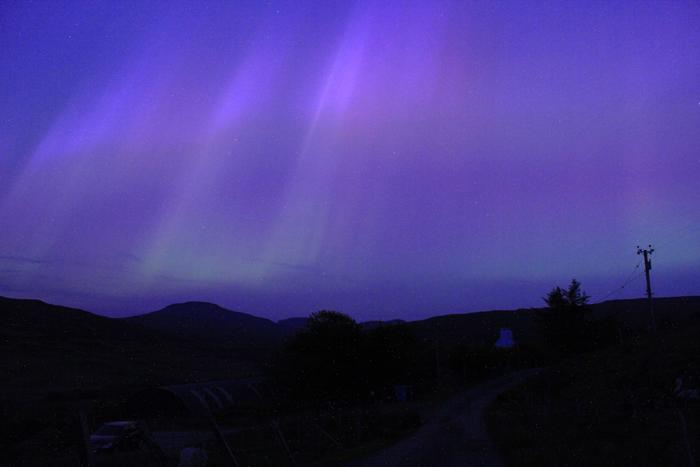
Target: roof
[204,399]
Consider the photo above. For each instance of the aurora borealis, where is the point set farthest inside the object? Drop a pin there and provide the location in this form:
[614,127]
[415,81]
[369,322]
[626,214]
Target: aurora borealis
[386,159]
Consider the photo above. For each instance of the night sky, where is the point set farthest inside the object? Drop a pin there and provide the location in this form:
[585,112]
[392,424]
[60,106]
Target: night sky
[385,159]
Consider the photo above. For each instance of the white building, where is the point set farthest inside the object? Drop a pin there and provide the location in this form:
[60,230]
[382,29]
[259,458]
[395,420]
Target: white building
[505,340]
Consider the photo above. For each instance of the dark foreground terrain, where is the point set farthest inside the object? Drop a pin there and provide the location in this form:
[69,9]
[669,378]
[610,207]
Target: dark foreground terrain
[428,382]
[636,404]
[57,361]
[454,433]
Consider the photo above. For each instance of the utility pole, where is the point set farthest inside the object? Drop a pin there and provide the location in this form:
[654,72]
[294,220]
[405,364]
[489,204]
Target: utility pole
[438,372]
[647,268]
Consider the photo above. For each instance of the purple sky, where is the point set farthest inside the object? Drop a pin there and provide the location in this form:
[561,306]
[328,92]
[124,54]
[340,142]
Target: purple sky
[386,159]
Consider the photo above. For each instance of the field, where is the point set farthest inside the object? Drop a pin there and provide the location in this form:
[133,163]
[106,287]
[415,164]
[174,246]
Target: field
[610,407]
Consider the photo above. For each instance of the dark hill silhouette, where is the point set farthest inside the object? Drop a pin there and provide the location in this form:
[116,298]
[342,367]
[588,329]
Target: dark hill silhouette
[55,348]
[49,349]
[368,325]
[482,328]
[34,318]
[212,323]
[203,321]
[479,328]
[208,323]
[291,326]
[669,311]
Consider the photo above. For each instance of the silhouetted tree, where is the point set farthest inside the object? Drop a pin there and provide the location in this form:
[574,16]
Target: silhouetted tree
[391,356]
[564,323]
[323,360]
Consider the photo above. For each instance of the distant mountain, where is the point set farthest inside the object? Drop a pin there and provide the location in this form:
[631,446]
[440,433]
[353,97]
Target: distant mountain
[204,322]
[669,311]
[479,328]
[291,326]
[367,325]
[34,319]
[482,328]
[55,349]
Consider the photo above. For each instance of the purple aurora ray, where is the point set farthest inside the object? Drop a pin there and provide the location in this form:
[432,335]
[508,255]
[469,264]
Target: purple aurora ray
[386,159]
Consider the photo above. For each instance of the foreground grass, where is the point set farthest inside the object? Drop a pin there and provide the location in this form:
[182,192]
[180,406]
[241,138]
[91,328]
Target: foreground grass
[612,407]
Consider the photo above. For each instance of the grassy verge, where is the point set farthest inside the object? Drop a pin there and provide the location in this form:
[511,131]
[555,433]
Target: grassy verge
[613,407]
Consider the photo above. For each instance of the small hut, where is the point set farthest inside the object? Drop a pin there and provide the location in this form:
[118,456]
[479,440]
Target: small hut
[505,340]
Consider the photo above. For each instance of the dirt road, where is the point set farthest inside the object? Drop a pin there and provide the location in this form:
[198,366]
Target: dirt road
[454,434]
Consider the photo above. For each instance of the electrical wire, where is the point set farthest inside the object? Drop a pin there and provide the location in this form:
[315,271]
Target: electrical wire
[633,275]
[674,238]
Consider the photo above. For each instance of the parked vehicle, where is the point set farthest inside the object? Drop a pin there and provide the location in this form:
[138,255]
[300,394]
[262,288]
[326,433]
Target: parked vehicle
[126,435]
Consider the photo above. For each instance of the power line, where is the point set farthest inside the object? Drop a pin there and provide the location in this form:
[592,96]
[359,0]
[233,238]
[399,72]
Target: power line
[646,259]
[635,272]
